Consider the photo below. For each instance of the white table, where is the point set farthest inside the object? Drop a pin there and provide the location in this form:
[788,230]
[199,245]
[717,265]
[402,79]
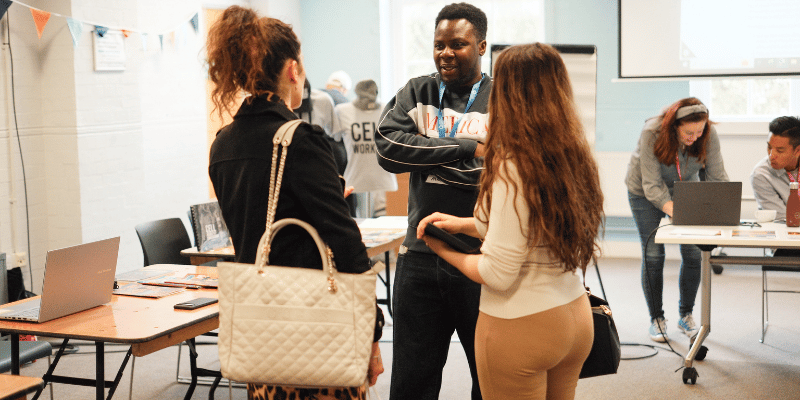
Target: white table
[709,237]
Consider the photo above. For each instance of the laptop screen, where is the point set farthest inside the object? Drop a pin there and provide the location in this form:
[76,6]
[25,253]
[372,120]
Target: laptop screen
[707,203]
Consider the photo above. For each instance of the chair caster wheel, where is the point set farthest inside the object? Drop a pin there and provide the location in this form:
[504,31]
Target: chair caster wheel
[690,374]
[701,354]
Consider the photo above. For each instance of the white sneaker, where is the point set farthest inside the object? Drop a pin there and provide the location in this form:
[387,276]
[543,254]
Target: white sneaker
[687,325]
[658,330]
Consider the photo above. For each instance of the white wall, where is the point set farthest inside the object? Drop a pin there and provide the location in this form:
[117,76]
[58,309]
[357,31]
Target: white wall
[103,151]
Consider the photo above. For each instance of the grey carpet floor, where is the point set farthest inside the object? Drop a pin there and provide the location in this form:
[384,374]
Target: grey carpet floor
[737,366]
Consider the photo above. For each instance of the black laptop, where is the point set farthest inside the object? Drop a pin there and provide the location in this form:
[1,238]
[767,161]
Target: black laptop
[707,203]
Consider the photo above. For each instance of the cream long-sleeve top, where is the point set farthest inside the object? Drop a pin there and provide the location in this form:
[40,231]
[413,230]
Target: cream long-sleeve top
[519,280]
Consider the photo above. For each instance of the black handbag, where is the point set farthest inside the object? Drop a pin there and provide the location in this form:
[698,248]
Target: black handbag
[605,355]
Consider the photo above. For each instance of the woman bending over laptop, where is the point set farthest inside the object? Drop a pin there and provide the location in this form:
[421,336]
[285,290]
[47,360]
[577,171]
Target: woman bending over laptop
[674,146]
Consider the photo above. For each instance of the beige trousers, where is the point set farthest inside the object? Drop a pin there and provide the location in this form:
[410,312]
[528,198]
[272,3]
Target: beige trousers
[537,356]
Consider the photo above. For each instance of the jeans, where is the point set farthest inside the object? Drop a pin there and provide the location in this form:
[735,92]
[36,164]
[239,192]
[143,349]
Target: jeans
[647,217]
[431,300]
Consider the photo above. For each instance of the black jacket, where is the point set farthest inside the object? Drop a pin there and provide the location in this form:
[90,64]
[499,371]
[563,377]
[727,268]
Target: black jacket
[311,191]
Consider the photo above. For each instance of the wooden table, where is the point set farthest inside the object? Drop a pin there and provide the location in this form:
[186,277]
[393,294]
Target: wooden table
[16,387]
[709,237]
[380,236]
[148,325]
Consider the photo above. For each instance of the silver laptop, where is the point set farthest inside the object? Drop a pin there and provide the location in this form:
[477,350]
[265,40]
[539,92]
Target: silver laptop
[76,278]
[707,203]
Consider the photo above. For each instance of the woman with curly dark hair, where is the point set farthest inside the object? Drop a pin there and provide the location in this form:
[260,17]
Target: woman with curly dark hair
[259,58]
[673,146]
[539,211]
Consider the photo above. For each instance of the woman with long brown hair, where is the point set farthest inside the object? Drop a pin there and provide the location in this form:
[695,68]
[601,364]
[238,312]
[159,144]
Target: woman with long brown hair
[674,146]
[539,211]
[260,58]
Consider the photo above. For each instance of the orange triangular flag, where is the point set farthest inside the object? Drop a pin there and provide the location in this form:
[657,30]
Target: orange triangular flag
[40,18]
[125,32]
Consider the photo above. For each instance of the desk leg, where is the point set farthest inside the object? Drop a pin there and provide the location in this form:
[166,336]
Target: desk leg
[14,354]
[100,378]
[690,374]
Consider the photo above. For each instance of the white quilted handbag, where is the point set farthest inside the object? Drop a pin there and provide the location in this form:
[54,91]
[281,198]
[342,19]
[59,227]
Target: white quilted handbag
[293,326]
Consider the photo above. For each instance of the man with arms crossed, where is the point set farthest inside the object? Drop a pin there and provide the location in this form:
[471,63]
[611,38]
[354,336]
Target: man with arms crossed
[771,176]
[434,129]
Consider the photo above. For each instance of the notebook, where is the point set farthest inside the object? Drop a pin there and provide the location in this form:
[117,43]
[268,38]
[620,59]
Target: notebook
[707,203]
[76,278]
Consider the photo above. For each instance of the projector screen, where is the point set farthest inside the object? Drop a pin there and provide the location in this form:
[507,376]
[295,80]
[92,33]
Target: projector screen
[581,63]
[708,38]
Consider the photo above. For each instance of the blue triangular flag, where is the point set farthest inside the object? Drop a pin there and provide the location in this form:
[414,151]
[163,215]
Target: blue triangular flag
[101,30]
[196,22]
[75,28]
[4,4]
[161,40]
[144,40]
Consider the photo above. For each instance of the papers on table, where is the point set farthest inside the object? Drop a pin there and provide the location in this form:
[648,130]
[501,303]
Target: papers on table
[141,273]
[375,237]
[385,222]
[139,290]
[753,234]
[695,232]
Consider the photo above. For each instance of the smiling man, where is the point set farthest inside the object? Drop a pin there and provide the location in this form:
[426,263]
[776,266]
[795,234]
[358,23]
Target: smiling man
[434,129]
[771,176]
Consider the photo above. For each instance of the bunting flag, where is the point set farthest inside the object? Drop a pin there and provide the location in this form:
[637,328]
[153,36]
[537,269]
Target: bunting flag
[75,28]
[176,36]
[40,18]
[4,4]
[196,22]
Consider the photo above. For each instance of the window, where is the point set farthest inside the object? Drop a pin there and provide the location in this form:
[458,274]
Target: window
[412,25]
[748,99]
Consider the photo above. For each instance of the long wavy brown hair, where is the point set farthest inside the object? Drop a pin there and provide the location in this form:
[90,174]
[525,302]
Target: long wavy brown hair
[666,146]
[534,125]
[246,54]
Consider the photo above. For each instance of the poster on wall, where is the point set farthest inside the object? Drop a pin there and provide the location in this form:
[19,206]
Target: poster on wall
[109,52]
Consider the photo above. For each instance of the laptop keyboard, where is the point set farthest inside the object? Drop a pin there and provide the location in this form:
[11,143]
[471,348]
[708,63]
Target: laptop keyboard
[29,313]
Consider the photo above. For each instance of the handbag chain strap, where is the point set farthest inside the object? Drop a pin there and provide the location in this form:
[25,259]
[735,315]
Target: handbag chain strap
[280,143]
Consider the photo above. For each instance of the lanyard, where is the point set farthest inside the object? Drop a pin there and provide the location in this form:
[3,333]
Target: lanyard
[440,122]
[678,167]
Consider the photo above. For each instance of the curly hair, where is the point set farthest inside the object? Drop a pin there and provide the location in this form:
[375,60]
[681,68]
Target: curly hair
[246,53]
[468,12]
[534,125]
[666,146]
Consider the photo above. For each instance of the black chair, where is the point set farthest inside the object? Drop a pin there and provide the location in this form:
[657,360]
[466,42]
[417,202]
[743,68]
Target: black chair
[29,351]
[163,240]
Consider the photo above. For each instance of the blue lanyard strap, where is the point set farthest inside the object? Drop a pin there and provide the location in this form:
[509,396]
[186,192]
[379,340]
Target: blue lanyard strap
[440,120]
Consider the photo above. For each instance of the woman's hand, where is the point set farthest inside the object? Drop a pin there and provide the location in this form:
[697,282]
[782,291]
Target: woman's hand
[375,365]
[446,222]
[668,208]
[348,191]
